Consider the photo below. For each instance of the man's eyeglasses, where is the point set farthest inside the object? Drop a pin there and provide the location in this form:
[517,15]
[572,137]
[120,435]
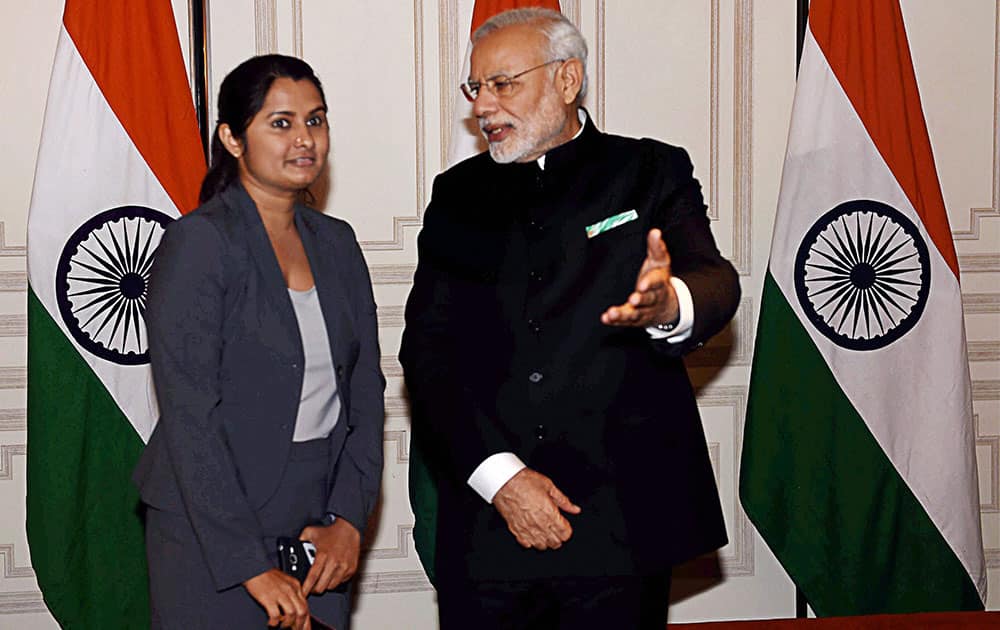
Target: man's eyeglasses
[500,85]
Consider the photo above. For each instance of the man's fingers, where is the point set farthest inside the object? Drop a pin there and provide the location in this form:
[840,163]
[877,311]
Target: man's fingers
[656,249]
[652,280]
[562,501]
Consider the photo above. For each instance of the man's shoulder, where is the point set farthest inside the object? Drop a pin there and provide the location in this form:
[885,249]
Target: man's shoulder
[470,166]
[618,147]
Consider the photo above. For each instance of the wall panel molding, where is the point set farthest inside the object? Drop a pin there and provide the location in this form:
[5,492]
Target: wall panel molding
[297,47]
[13,281]
[600,62]
[22,603]
[7,454]
[981,303]
[992,443]
[979,263]
[738,560]
[265,13]
[13,377]
[10,567]
[743,140]
[13,420]
[400,439]
[394,582]
[7,250]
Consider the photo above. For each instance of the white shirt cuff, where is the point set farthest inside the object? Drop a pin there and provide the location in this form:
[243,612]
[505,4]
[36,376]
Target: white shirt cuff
[685,312]
[493,473]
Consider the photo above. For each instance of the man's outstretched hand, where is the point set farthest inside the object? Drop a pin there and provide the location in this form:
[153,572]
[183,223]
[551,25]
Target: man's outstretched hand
[654,300]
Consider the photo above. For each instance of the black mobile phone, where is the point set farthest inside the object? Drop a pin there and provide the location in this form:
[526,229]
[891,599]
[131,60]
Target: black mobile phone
[295,556]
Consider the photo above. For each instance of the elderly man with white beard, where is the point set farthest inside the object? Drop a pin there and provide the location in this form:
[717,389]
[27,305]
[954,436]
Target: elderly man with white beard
[562,275]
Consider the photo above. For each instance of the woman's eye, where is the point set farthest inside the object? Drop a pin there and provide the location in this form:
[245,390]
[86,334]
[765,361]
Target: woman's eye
[280,123]
[315,121]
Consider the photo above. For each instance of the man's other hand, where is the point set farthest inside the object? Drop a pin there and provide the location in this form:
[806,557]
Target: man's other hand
[654,300]
[531,504]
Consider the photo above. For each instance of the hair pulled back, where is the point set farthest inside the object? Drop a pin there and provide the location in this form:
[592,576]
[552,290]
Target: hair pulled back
[241,96]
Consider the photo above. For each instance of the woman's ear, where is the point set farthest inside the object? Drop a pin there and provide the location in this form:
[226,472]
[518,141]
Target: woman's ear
[230,142]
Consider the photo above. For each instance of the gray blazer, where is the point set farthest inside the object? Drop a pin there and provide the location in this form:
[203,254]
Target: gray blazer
[227,363]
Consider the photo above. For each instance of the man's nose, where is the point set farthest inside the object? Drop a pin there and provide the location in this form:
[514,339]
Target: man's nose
[485,103]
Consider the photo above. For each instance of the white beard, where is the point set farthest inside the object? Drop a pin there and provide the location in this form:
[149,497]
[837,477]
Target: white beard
[533,135]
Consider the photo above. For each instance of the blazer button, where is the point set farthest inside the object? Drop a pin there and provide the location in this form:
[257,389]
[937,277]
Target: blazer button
[340,371]
[534,275]
[350,428]
[533,326]
[540,432]
[535,377]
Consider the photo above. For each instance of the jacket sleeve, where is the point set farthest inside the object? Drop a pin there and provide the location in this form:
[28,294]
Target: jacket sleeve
[185,318]
[694,256]
[359,470]
[449,422]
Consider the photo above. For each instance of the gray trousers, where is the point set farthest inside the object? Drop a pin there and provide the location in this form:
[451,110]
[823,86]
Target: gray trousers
[182,594]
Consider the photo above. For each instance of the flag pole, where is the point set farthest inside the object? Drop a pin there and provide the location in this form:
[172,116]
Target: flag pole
[801,23]
[199,68]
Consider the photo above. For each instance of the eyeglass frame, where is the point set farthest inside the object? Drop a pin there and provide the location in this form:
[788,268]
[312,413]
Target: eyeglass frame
[471,89]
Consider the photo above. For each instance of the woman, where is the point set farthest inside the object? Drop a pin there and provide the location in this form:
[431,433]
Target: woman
[263,344]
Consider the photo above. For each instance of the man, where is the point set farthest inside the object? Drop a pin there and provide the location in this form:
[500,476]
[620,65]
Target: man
[561,277]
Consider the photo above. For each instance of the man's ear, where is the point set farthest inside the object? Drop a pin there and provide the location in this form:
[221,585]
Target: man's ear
[230,142]
[571,77]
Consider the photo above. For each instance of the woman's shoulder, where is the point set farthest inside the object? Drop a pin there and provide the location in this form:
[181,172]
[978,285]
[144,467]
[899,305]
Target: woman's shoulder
[326,226]
[215,220]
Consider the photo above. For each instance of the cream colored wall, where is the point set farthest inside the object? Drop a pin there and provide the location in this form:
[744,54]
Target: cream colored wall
[715,76]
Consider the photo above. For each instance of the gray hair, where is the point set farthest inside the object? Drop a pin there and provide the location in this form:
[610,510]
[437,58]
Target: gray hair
[564,40]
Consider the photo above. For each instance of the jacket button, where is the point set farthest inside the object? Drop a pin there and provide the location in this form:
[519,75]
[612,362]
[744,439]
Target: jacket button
[340,371]
[535,377]
[534,275]
[350,428]
[533,326]
[540,432]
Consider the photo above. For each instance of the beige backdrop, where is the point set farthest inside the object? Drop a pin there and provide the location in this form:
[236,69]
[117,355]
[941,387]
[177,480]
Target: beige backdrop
[715,76]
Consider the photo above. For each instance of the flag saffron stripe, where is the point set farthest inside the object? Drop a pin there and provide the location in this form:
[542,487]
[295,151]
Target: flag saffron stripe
[485,9]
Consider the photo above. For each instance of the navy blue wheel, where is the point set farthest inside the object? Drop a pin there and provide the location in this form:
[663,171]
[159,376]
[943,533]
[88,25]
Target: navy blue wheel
[102,280]
[862,274]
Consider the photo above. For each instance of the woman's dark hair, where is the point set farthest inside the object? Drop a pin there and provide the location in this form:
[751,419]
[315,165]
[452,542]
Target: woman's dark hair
[241,96]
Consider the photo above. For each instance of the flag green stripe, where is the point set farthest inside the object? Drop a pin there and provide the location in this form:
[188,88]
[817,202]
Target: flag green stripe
[424,501]
[824,496]
[83,520]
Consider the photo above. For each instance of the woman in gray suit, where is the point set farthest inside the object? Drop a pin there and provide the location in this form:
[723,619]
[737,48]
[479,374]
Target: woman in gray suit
[264,349]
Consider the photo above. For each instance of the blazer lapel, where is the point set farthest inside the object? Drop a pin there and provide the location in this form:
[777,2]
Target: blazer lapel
[274,287]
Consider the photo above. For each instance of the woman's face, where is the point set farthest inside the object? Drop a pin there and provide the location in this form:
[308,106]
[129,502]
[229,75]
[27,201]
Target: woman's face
[287,141]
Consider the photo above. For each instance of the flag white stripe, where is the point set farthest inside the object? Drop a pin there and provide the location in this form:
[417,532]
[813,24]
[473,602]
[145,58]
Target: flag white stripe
[466,140]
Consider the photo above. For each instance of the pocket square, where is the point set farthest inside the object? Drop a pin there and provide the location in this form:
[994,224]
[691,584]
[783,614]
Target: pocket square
[611,223]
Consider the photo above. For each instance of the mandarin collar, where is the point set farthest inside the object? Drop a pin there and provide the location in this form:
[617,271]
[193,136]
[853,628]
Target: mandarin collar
[567,155]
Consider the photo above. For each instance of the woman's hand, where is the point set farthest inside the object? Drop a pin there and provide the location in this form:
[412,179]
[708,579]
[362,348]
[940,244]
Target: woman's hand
[281,596]
[337,549]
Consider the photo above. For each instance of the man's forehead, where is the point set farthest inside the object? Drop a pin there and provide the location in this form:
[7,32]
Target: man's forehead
[507,50]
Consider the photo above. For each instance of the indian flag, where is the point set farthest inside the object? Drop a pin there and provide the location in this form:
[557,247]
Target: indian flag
[858,466]
[465,141]
[119,158]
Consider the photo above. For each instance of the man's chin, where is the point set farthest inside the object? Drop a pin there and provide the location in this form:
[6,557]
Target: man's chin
[502,154]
